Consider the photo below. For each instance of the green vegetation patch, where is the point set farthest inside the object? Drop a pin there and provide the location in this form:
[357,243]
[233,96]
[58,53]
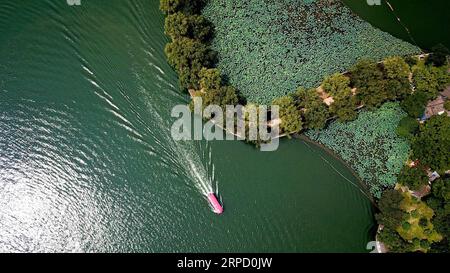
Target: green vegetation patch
[267,48]
[370,145]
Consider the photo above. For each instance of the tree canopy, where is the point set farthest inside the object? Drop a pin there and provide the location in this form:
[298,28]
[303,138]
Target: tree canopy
[188,56]
[391,215]
[396,68]
[438,55]
[393,241]
[186,6]
[430,80]
[415,178]
[432,144]
[179,25]
[212,92]
[289,114]
[407,128]
[344,105]
[439,202]
[447,105]
[315,112]
[210,79]
[414,105]
[364,72]
[335,83]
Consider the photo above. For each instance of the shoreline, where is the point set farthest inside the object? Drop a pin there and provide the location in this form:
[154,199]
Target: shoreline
[337,157]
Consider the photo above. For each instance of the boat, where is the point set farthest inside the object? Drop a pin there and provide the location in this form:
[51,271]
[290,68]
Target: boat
[217,207]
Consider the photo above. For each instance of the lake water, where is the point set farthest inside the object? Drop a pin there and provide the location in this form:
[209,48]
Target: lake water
[426,21]
[87,163]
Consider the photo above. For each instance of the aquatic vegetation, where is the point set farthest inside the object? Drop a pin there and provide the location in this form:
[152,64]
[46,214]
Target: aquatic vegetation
[268,48]
[369,145]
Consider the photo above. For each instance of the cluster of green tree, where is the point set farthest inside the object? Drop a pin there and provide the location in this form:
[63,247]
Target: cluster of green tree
[185,6]
[407,223]
[439,55]
[370,84]
[213,91]
[430,143]
[301,110]
[377,83]
[314,111]
[390,217]
[439,202]
[413,177]
[447,105]
[428,81]
[190,54]
[345,103]
[407,128]
[374,83]
[431,146]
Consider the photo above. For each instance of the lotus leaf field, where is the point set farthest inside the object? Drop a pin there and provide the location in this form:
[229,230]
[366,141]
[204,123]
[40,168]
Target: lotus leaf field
[268,48]
[370,145]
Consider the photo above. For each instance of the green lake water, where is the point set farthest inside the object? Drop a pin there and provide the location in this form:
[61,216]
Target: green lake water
[87,163]
[427,21]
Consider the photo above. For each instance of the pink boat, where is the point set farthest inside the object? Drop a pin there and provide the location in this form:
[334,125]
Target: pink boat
[217,207]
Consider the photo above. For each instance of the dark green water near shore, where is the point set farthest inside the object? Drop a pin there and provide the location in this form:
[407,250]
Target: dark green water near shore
[427,21]
[87,163]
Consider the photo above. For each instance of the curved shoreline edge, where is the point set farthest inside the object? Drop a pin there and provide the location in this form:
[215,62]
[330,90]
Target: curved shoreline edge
[362,184]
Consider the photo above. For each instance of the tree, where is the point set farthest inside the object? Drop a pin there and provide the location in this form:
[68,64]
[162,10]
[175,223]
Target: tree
[407,128]
[397,73]
[303,97]
[186,6]
[344,105]
[439,202]
[373,94]
[430,80]
[225,95]
[316,115]
[289,114]
[447,105]
[423,222]
[397,89]
[414,104]
[315,111]
[441,189]
[188,57]
[432,144]
[391,215]
[442,77]
[414,178]
[179,25]
[365,71]
[396,68]
[373,88]
[210,79]
[393,241]
[212,91]
[438,56]
[411,60]
[335,83]
[171,6]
